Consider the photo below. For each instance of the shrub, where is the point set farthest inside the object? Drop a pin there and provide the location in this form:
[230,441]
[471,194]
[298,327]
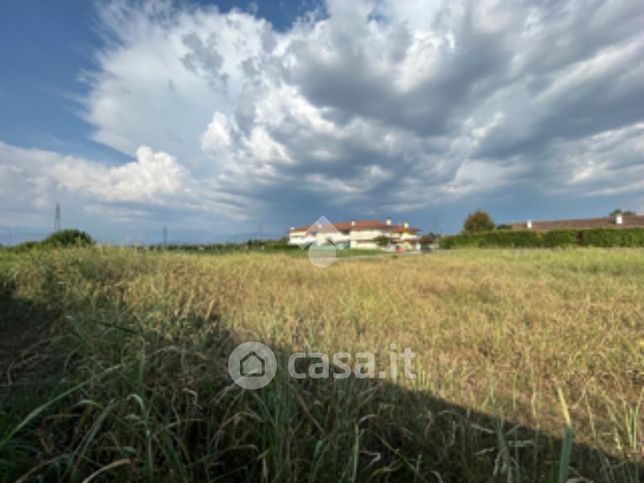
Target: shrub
[613,237]
[429,238]
[461,241]
[280,244]
[596,237]
[500,239]
[513,239]
[619,211]
[26,246]
[478,222]
[66,238]
[561,238]
[382,241]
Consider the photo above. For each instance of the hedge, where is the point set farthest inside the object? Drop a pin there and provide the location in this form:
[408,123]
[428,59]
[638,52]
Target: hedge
[596,237]
[501,239]
[561,238]
[611,237]
[460,241]
[513,239]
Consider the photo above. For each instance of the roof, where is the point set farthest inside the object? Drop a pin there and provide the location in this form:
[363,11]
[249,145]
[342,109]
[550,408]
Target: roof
[404,229]
[360,225]
[628,221]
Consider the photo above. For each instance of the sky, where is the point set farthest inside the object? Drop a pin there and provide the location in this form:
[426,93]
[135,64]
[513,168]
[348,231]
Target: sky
[229,120]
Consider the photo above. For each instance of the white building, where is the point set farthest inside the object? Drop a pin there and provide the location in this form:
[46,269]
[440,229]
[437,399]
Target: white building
[357,234]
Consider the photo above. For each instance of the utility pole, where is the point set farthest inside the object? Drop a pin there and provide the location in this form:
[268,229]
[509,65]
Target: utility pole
[57,218]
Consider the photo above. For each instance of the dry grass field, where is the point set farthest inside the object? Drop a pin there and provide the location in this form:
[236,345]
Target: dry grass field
[114,366]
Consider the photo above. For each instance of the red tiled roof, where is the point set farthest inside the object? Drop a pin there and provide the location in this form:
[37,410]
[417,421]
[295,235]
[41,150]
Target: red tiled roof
[359,225]
[628,221]
[402,229]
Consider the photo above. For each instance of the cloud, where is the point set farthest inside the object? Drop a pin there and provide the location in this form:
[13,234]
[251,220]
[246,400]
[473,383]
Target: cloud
[367,107]
[151,178]
[164,70]
[152,185]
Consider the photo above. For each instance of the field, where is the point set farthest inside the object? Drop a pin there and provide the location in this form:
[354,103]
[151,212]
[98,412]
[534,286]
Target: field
[114,366]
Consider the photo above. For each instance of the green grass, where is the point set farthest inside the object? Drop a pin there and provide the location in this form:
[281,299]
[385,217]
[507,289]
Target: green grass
[529,366]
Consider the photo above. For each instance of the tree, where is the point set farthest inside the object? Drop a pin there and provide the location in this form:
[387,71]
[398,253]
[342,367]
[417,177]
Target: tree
[477,222]
[382,241]
[619,211]
[429,238]
[66,238]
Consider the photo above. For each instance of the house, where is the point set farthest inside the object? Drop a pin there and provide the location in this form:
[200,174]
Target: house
[616,221]
[356,234]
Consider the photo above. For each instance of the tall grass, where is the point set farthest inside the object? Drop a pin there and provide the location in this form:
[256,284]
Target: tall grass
[142,341]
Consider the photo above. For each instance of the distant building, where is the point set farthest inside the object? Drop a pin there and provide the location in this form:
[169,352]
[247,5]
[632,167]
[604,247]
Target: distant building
[616,221]
[357,234]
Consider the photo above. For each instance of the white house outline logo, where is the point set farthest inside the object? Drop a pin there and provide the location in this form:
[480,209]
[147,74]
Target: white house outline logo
[319,242]
[252,365]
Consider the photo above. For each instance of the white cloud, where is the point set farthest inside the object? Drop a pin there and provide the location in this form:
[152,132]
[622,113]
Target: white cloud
[165,70]
[217,137]
[36,174]
[33,179]
[150,178]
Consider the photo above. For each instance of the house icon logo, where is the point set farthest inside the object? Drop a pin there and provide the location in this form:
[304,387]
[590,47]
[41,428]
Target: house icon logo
[252,365]
[322,242]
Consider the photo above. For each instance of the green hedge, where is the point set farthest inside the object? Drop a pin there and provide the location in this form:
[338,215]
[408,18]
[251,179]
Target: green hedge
[561,238]
[501,239]
[596,237]
[611,237]
[461,241]
[513,239]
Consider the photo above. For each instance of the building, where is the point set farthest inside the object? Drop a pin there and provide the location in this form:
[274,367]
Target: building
[616,221]
[357,234]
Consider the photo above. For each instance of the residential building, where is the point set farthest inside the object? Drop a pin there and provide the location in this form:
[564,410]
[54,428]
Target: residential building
[616,221]
[357,234]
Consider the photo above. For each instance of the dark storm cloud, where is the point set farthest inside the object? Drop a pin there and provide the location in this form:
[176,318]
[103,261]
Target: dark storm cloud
[353,82]
[366,104]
